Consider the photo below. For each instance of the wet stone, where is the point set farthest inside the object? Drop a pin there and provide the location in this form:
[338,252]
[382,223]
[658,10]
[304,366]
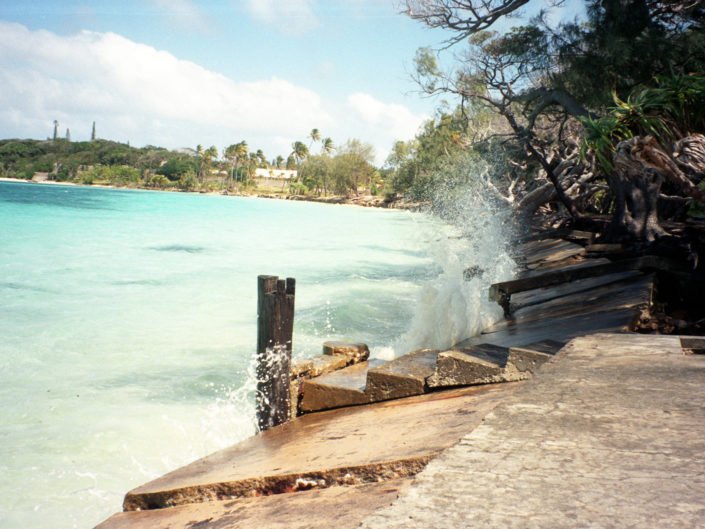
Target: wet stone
[301,368]
[358,352]
[324,364]
[528,358]
[693,344]
[402,377]
[465,366]
[345,387]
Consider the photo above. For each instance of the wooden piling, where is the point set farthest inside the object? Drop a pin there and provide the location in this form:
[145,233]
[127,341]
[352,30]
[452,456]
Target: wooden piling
[275,326]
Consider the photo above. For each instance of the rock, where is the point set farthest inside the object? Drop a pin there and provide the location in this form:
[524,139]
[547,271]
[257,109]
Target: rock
[472,272]
[528,358]
[402,377]
[358,352]
[465,366]
[300,368]
[362,444]
[335,390]
[324,364]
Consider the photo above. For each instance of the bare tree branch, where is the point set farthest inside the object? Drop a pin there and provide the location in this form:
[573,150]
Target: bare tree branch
[464,17]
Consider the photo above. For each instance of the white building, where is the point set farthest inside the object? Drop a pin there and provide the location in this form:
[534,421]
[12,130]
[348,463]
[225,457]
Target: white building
[275,174]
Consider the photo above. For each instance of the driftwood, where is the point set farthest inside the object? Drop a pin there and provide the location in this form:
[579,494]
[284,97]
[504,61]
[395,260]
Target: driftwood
[641,166]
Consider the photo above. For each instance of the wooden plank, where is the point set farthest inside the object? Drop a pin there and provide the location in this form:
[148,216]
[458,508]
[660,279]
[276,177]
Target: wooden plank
[502,292]
[571,264]
[632,293]
[275,326]
[550,250]
[542,295]
[559,329]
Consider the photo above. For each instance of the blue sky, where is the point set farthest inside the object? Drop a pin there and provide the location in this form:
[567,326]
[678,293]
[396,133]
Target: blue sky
[178,73]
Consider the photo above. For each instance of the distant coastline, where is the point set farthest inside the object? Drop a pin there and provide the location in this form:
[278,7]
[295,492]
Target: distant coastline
[361,200]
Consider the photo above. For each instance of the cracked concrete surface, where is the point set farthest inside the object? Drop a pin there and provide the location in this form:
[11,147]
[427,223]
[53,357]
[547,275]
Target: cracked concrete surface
[612,435]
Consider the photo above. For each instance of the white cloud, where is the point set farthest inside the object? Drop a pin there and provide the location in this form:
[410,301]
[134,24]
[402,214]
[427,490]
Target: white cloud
[395,119]
[185,15]
[137,93]
[293,17]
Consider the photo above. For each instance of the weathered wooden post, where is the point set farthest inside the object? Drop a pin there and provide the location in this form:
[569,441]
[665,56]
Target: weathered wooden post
[275,327]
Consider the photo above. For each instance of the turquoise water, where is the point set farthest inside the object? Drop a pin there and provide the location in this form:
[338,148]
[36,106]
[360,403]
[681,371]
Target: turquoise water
[128,325]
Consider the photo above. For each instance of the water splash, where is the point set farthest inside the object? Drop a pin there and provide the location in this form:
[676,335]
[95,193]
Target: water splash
[231,417]
[471,232]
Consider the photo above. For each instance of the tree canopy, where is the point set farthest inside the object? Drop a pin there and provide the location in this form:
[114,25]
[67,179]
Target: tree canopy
[544,89]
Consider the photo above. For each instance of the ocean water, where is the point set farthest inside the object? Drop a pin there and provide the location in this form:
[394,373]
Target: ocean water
[128,323]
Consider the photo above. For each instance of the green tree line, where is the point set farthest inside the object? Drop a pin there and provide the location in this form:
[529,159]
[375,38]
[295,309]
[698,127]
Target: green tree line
[321,168]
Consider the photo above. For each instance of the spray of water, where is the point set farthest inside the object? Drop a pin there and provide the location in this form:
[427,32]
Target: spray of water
[471,233]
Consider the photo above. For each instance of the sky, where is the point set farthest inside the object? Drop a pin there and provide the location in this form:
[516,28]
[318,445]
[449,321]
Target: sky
[179,73]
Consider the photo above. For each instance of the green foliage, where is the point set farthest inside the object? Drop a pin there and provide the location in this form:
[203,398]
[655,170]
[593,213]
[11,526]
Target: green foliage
[411,164]
[188,181]
[177,167]
[624,44]
[674,106]
[120,175]
[349,171]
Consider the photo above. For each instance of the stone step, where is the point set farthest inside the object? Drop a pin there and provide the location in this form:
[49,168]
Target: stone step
[528,358]
[320,450]
[338,389]
[308,509]
[470,365]
[402,377]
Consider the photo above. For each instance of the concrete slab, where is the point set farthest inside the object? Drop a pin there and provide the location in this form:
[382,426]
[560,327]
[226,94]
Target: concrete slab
[339,507]
[612,435]
[528,358]
[335,390]
[402,377]
[329,448]
[469,365]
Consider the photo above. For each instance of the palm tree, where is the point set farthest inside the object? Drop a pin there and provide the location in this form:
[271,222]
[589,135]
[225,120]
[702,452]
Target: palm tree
[315,136]
[235,154]
[327,146]
[278,161]
[261,158]
[210,154]
[299,151]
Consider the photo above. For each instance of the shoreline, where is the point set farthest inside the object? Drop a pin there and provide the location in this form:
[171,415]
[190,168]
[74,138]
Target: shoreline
[578,333]
[366,201]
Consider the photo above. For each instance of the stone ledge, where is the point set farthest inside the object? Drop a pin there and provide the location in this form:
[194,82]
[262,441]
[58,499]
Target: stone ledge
[402,377]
